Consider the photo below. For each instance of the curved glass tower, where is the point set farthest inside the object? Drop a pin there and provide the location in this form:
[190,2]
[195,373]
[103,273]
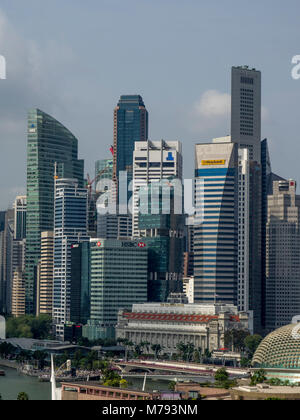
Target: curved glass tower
[49,143]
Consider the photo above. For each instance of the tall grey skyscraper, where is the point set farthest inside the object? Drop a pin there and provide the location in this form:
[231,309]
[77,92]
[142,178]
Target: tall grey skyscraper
[246,110]
[283,255]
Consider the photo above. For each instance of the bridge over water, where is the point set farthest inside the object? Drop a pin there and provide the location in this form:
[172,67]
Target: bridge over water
[192,369]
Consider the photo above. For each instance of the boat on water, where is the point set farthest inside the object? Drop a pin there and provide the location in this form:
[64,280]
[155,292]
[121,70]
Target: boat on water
[2,373]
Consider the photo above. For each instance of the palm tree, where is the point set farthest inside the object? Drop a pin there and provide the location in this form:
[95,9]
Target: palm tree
[157,348]
[190,348]
[146,344]
[22,397]
[181,347]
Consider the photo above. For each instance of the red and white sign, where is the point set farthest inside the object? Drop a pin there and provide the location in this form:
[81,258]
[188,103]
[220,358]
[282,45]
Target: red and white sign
[142,245]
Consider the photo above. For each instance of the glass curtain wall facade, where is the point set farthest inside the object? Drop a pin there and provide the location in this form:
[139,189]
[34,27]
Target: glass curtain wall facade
[118,280]
[216,223]
[49,142]
[70,227]
[130,126]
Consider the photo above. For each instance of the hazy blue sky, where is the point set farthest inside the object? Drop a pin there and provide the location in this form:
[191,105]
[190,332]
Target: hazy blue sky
[74,58]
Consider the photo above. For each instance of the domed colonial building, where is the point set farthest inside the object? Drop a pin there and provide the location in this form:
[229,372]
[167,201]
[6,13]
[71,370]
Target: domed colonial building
[279,354]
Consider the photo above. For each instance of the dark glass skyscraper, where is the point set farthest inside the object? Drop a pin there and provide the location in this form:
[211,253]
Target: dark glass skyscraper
[49,142]
[163,235]
[130,125]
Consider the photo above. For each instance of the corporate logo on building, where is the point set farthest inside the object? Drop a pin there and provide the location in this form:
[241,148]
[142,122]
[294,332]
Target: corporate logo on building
[213,162]
[126,244]
[170,157]
[32,128]
[133,245]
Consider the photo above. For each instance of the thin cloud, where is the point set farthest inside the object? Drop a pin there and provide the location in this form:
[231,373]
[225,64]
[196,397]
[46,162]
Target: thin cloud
[212,111]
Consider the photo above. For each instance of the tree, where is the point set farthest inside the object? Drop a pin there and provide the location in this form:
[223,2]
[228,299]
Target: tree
[235,339]
[251,343]
[221,375]
[207,354]
[29,326]
[6,349]
[123,384]
[197,356]
[245,362]
[40,357]
[157,348]
[171,385]
[258,377]
[146,345]
[22,396]
[138,350]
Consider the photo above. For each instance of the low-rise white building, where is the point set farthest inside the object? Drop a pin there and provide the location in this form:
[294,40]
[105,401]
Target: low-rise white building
[202,325]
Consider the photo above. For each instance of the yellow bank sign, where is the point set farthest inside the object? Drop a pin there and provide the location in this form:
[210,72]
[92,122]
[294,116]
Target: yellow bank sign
[213,162]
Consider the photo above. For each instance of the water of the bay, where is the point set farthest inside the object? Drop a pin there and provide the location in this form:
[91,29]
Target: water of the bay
[13,383]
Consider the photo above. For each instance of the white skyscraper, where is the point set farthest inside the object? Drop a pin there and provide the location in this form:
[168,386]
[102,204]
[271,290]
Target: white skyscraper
[152,162]
[70,227]
[243,230]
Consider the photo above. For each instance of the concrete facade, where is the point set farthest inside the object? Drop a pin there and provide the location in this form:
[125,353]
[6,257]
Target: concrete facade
[171,324]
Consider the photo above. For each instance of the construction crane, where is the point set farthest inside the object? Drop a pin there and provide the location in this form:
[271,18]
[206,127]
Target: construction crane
[90,181]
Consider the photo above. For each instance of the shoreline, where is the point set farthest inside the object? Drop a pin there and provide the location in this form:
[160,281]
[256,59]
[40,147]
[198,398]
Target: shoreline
[9,364]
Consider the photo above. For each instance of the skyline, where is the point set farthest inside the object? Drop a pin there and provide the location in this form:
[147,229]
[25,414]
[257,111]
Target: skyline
[78,76]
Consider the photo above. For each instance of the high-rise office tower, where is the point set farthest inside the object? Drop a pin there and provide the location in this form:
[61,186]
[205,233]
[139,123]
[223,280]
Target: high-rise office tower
[2,257]
[80,298]
[130,126]
[103,172]
[18,294]
[216,223]
[70,227]
[153,162]
[8,258]
[282,255]
[104,169]
[188,264]
[163,233]
[118,280]
[246,132]
[249,197]
[49,142]
[157,172]
[268,178]
[45,274]
[114,226]
[243,230]
[20,208]
[246,110]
